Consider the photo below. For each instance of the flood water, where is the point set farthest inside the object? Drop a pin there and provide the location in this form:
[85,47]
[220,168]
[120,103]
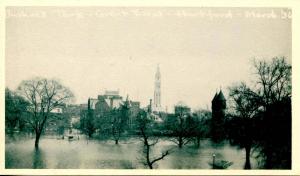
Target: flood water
[99,154]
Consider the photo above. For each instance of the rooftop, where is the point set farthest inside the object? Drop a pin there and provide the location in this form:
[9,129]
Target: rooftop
[111,92]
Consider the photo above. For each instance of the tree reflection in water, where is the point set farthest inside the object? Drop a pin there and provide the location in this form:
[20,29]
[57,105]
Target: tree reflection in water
[38,159]
[106,155]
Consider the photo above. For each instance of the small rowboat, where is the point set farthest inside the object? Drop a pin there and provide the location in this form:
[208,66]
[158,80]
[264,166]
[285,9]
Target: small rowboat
[221,164]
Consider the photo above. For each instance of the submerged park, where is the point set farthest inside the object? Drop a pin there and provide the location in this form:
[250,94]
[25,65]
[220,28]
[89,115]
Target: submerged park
[248,129]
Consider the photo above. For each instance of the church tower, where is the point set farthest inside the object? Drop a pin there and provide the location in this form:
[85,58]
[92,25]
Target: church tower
[157,92]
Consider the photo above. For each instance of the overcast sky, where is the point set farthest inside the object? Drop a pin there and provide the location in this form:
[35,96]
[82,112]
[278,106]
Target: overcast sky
[96,49]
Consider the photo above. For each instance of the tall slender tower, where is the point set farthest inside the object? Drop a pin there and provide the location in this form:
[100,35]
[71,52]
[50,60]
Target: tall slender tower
[157,92]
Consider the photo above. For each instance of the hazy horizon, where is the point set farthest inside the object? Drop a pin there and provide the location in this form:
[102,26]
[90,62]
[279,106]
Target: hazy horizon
[93,49]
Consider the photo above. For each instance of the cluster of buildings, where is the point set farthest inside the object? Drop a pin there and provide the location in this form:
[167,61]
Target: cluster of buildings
[111,99]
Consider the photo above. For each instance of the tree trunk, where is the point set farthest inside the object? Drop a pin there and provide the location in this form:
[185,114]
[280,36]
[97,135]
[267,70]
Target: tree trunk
[150,165]
[37,139]
[247,164]
[117,141]
[268,162]
[180,142]
[148,155]
[198,141]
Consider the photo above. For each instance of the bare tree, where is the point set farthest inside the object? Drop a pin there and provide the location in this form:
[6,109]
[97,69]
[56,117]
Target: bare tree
[144,124]
[241,128]
[180,127]
[273,80]
[117,125]
[254,120]
[200,125]
[274,87]
[87,121]
[120,119]
[43,95]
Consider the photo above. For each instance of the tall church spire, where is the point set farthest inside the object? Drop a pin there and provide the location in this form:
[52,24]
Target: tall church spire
[157,92]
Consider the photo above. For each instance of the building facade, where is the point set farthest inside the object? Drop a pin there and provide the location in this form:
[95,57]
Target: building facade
[104,105]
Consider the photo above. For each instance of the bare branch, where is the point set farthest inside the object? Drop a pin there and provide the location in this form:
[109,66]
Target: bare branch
[161,157]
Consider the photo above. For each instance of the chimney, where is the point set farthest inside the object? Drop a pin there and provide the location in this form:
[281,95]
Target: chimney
[111,102]
[150,106]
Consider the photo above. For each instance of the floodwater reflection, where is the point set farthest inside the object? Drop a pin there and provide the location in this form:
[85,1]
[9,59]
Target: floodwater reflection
[38,159]
[95,154]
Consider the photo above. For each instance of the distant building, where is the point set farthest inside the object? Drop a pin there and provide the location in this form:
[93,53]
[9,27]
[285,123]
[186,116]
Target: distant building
[74,109]
[157,92]
[104,104]
[152,113]
[134,109]
[182,109]
[149,107]
[157,118]
[218,116]
[57,110]
[83,106]
[73,112]
[59,120]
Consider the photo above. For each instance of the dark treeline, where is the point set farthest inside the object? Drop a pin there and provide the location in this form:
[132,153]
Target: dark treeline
[260,116]
[254,117]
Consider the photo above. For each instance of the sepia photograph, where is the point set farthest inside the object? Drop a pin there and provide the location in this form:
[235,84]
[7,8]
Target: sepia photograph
[120,87]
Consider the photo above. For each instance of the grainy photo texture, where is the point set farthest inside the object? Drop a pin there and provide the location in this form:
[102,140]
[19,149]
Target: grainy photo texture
[148,88]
